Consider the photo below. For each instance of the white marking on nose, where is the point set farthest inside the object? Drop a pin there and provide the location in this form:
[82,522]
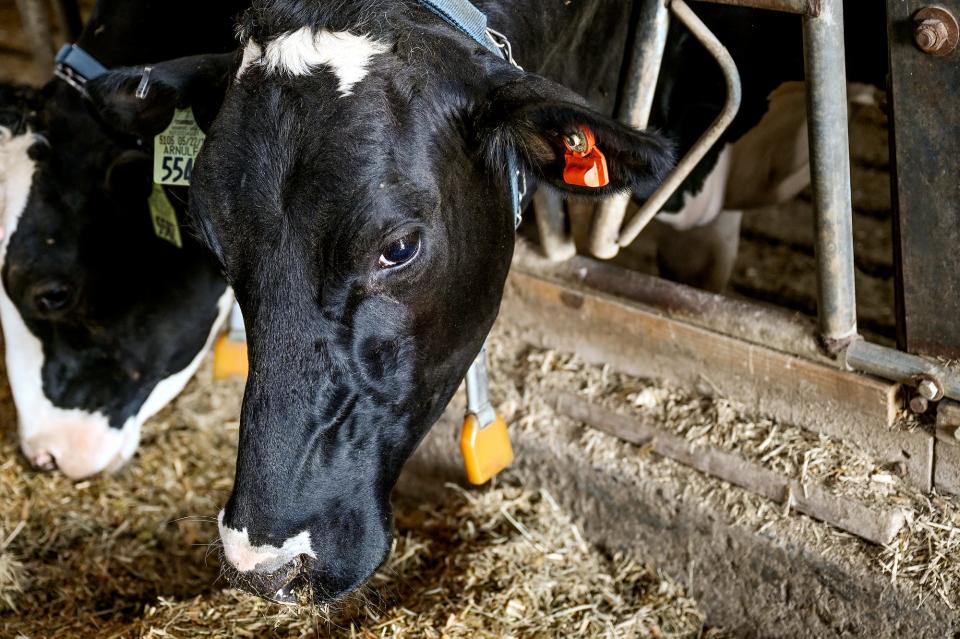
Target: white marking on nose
[245,556]
[297,52]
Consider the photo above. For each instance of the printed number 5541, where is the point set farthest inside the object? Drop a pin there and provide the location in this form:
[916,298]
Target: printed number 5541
[176,169]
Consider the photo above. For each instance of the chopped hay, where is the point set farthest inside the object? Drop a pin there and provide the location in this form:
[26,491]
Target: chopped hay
[134,555]
[925,557]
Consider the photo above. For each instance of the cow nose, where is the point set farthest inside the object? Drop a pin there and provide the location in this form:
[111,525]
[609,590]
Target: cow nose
[51,296]
[43,460]
[247,557]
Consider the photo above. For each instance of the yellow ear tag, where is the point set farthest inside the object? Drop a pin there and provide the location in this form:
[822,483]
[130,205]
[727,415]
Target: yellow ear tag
[230,351]
[486,451]
[175,150]
[230,358]
[164,217]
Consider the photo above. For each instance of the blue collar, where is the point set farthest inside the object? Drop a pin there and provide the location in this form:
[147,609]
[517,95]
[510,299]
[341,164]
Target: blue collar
[465,17]
[76,67]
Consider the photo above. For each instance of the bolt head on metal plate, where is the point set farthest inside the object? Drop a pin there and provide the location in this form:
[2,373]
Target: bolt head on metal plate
[929,390]
[935,31]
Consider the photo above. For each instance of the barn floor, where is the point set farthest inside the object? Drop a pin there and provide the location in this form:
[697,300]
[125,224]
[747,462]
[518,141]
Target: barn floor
[130,555]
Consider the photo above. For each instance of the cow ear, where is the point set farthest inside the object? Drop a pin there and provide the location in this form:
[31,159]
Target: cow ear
[141,100]
[129,177]
[535,120]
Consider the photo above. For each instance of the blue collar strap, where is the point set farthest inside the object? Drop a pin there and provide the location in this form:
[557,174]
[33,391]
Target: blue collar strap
[462,15]
[76,67]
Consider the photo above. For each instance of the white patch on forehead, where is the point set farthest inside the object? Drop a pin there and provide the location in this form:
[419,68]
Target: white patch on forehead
[298,52]
[16,176]
[245,556]
[252,54]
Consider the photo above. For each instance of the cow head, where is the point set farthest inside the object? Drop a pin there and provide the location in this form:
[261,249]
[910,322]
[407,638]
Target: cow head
[354,188]
[103,321]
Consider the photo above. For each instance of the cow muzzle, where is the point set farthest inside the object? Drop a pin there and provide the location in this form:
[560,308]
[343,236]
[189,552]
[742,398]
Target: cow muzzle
[78,444]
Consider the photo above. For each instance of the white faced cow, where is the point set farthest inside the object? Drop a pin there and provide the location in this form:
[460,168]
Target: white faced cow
[355,188]
[103,321]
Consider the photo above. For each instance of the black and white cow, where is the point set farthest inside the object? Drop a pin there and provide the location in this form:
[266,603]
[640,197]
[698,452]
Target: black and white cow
[103,321]
[354,189]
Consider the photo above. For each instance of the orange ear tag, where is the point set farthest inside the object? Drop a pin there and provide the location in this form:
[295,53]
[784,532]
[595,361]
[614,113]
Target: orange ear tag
[585,164]
[486,449]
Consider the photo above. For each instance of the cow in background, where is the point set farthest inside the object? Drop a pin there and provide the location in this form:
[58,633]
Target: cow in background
[103,321]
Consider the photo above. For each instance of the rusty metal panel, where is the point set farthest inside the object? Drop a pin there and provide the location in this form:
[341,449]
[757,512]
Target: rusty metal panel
[925,123]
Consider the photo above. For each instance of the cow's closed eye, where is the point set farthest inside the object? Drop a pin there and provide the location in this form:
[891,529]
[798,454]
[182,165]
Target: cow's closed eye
[400,251]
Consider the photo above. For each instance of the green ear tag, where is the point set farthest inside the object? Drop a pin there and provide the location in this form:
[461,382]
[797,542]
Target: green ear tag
[175,150]
[164,217]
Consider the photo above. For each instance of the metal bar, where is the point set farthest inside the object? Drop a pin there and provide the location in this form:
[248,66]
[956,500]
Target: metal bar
[905,368]
[803,7]
[649,42]
[68,13]
[656,201]
[830,174]
[35,17]
[555,241]
[478,390]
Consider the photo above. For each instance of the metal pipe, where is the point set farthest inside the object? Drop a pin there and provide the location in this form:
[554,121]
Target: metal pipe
[35,18]
[644,70]
[656,201]
[803,7]
[830,173]
[555,241]
[905,368]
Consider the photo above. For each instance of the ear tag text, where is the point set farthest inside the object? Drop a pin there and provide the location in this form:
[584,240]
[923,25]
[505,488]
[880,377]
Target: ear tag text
[164,217]
[175,150]
[584,163]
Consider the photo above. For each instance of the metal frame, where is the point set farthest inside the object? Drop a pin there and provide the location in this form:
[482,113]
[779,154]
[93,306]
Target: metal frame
[830,180]
[655,202]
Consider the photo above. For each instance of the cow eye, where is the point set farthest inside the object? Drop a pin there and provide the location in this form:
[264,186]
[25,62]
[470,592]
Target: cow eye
[400,251]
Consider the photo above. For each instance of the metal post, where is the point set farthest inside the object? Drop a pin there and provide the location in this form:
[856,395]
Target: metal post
[647,54]
[689,161]
[803,7]
[830,173]
[555,241]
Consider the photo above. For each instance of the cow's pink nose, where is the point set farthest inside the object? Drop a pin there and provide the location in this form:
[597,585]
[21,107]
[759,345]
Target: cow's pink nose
[43,461]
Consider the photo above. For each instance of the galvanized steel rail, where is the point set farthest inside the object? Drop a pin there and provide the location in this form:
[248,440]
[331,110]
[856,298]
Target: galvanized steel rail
[656,201]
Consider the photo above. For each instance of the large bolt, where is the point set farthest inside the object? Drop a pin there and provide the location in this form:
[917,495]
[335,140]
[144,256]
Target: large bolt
[935,31]
[929,389]
[930,35]
[918,404]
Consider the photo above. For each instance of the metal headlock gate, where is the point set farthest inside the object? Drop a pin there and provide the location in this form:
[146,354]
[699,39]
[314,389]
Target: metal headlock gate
[927,188]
